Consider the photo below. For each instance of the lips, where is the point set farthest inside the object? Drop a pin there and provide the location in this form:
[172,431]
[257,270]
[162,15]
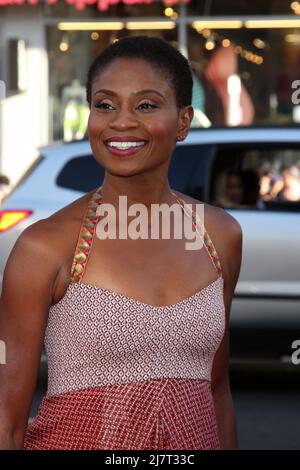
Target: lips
[125,138]
[124,145]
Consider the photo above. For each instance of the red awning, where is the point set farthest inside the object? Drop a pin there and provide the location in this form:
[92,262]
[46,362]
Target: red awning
[103,5]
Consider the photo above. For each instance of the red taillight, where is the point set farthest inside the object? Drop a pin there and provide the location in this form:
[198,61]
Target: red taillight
[9,218]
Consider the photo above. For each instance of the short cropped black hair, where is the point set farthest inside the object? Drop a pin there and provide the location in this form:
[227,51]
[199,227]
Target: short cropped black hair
[157,52]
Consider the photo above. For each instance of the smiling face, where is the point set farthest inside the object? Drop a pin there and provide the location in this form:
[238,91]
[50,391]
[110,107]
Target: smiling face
[134,121]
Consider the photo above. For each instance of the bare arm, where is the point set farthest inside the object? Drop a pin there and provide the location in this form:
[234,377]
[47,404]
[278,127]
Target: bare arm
[230,255]
[26,296]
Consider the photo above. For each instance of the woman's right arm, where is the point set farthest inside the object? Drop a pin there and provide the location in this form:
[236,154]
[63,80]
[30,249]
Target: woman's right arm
[27,293]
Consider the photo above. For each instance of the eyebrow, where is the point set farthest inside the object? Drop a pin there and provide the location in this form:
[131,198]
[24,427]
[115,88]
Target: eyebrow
[141,92]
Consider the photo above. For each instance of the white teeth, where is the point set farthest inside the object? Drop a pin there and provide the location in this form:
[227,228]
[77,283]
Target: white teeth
[125,145]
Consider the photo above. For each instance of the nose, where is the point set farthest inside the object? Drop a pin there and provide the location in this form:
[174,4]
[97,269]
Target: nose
[123,119]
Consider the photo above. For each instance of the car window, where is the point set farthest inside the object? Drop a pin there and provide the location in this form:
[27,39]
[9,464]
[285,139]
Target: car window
[256,177]
[189,168]
[187,171]
[81,174]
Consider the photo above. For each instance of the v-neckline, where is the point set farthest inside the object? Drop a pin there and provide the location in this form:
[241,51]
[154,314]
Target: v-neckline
[131,300]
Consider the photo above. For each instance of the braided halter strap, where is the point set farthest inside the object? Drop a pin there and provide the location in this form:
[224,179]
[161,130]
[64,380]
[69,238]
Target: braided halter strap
[203,233]
[86,237]
[88,228]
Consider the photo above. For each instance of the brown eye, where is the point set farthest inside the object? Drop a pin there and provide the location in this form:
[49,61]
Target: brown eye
[102,105]
[147,105]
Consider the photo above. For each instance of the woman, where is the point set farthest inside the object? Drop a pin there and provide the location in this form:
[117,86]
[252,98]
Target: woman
[229,190]
[136,330]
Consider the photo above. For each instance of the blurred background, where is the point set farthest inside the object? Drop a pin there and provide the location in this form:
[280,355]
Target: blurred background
[242,154]
[47,46]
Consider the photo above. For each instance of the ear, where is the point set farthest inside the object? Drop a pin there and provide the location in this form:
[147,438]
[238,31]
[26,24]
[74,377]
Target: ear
[185,118]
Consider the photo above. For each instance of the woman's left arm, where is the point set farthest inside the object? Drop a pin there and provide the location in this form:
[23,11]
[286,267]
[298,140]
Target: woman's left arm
[230,252]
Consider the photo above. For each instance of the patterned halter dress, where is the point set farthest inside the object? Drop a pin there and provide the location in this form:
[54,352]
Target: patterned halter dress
[123,374]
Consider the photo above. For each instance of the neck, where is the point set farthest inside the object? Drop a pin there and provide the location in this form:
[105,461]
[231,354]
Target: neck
[146,194]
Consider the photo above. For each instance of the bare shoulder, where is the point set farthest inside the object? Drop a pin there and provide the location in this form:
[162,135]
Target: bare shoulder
[216,218]
[226,234]
[57,230]
[47,246]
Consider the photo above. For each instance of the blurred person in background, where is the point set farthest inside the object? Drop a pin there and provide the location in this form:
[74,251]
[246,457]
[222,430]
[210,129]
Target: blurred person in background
[290,190]
[229,190]
[270,182]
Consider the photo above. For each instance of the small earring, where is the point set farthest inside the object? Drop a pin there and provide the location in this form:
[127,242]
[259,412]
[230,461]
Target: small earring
[180,138]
